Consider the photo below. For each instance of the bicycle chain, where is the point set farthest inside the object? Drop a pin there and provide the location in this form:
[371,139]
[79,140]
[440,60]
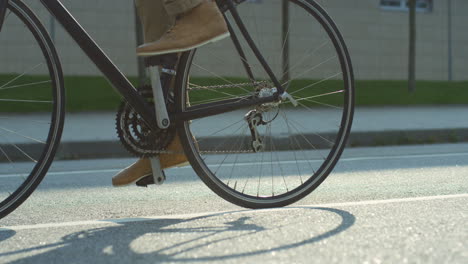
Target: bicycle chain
[257,85]
[141,142]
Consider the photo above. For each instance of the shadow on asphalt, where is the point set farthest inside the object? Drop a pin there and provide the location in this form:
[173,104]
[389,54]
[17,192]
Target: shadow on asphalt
[93,180]
[214,237]
[6,234]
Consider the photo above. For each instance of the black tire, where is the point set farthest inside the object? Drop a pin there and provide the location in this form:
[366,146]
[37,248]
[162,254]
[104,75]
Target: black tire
[216,171]
[25,162]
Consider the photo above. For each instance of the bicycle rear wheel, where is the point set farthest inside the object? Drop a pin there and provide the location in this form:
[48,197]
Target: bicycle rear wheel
[290,150]
[31,105]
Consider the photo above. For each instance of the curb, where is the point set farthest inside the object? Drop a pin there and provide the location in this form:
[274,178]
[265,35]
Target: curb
[114,149]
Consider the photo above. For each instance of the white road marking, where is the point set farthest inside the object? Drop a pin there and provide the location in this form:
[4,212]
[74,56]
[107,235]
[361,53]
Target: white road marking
[445,155]
[117,222]
[416,156]
[63,173]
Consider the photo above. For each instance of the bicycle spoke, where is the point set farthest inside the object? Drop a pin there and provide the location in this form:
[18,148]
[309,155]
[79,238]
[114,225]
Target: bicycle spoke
[26,101]
[218,147]
[21,135]
[261,166]
[285,118]
[313,68]
[319,103]
[35,121]
[298,144]
[279,164]
[214,100]
[220,92]
[237,156]
[303,58]
[6,155]
[330,142]
[25,85]
[316,83]
[31,102]
[221,60]
[19,149]
[21,75]
[227,155]
[320,95]
[222,129]
[224,79]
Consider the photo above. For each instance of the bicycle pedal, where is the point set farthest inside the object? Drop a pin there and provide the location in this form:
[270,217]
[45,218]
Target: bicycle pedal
[145,181]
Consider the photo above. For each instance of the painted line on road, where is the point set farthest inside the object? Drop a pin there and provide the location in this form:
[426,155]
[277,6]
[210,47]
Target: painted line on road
[117,222]
[58,173]
[446,155]
[415,156]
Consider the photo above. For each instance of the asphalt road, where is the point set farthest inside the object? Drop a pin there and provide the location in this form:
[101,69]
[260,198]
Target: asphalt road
[381,205]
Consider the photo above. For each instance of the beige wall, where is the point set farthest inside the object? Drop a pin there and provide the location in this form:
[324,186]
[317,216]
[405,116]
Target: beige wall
[377,39]
[109,22]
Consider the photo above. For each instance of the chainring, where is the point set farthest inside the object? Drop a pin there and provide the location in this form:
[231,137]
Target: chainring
[136,136]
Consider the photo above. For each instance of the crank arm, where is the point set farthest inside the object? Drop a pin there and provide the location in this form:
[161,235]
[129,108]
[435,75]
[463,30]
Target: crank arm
[162,117]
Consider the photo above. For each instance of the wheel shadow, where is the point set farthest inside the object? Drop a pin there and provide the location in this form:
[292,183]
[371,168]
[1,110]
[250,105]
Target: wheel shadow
[214,237]
[6,234]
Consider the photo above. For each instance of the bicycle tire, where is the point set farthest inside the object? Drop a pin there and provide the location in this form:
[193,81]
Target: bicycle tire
[229,187]
[20,14]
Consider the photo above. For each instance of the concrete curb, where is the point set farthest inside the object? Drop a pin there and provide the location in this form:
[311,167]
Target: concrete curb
[114,149]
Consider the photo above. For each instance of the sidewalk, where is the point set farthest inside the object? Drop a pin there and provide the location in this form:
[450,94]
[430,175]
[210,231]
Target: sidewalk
[93,135]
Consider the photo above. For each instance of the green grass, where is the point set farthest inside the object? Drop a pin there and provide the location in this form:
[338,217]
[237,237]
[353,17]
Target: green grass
[96,94]
[383,93]
[82,93]
[377,93]
[91,94]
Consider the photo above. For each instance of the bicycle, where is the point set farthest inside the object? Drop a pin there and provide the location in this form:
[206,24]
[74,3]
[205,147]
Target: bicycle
[262,159]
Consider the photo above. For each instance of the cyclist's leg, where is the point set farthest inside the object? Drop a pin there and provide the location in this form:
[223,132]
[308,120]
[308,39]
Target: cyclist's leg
[155,21]
[154,18]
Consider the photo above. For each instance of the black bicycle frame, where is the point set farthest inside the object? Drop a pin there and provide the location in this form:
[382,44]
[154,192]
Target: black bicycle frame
[128,91]
[3,6]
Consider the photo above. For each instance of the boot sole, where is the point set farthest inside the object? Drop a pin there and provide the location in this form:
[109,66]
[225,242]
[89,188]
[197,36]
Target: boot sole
[133,182]
[149,174]
[215,39]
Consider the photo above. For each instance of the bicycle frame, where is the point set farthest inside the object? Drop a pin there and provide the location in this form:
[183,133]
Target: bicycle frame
[129,92]
[3,7]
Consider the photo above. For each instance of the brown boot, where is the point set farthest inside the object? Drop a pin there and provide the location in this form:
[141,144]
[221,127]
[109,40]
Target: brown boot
[199,26]
[142,167]
[133,173]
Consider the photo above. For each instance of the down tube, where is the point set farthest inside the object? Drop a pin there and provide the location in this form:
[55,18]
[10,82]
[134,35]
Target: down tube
[100,59]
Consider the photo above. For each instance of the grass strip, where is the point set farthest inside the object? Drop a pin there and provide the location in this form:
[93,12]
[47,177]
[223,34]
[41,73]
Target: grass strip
[86,93]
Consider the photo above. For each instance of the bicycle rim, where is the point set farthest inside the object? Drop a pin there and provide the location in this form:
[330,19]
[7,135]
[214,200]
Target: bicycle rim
[32,105]
[299,145]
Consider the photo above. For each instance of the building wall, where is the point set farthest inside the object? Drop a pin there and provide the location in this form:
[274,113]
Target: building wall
[109,22]
[377,39]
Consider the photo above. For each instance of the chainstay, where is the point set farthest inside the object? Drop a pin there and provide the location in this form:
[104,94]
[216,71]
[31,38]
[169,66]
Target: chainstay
[195,87]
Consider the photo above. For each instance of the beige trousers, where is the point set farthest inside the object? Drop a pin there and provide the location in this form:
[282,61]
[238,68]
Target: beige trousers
[157,16]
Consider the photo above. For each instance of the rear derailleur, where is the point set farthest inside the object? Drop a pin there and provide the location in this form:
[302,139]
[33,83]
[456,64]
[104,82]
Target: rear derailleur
[254,119]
